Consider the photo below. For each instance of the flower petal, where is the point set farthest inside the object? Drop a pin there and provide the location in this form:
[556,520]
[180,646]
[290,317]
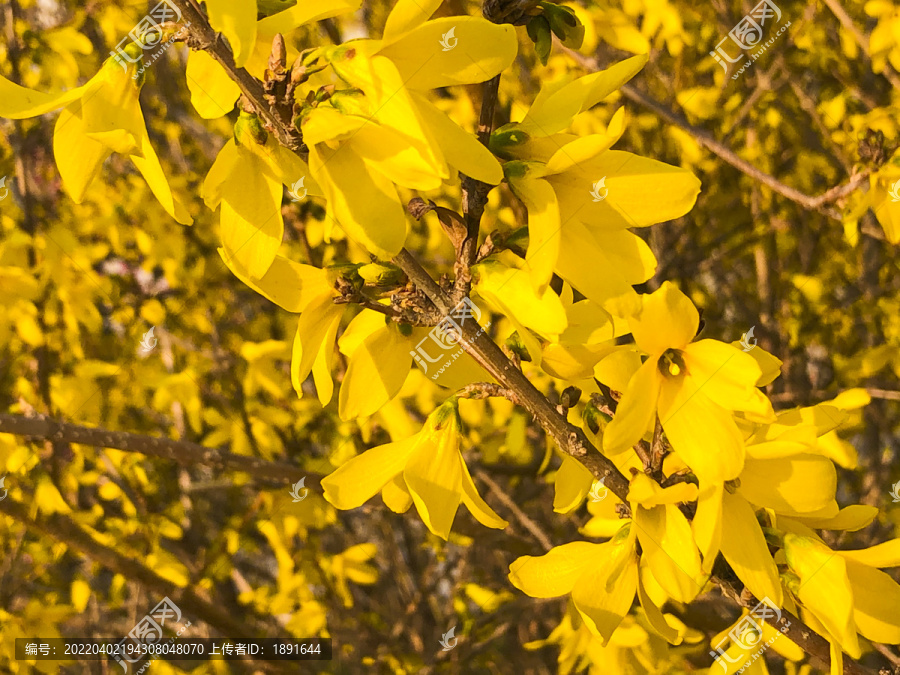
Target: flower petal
[669,549]
[792,485]
[236,20]
[668,319]
[376,371]
[479,508]
[482,50]
[79,158]
[17,102]
[434,478]
[543,228]
[407,15]
[635,411]
[885,554]
[312,329]
[359,479]
[363,201]
[745,549]
[290,285]
[213,92]
[701,432]
[555,573]
[728,376]
[876,597]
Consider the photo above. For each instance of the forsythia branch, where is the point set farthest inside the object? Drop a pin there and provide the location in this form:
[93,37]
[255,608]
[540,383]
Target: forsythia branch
[569,438]
[65,530]
[181,452]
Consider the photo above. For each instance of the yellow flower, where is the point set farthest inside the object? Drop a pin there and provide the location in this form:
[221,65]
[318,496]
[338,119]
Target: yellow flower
[427,470]
[582,197]
[603,578]
[694,387]
[213,92]
[246,180]
[100,117]
[844,590]
[377,129]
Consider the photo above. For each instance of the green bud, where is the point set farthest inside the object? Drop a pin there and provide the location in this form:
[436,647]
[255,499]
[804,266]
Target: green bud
[515,344]
[381,274]
[539,31]
[505,139]
[405,329]
[247,128]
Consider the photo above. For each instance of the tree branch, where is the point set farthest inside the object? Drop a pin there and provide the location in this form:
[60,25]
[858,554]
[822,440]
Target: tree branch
[474,196]
[184,453]
[65,530]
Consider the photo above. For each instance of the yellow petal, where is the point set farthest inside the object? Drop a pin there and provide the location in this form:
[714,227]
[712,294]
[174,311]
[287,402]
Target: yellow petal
[790,485]
[213,92]
[375,373]
[17,102]
[304,11]
[727,375]
[543,228]
[850,518]
[655,616]
[668,319]
[148,164]
[312,328]
[323,365]
[693,424]
[604,594]
[557,572]
[461,149]
[434,478]
[824,587]
[885,554]
[359,479]
[635,411]
[395,495]
[585,148]
[407,15]
[707,524]
[364,202]
[78,157]
[876,597]
[290,285]
[479,508]
[745,549]
[625,258]
[573,481]
[482,50]
[236,19]
[668,547]
[555,112]
[512,293]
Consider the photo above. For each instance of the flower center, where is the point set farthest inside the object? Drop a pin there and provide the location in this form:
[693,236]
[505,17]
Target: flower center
[671,363]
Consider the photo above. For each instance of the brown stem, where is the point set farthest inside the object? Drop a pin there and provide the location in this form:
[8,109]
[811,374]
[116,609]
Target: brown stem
[569,438]
[184,453]
[202,36]
[193,605]
[474,196]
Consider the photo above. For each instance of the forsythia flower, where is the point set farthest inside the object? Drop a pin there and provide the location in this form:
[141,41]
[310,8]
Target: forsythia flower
[100,117]
[603,578]
[694,387]
[246,181]
[844,590]
[582,197]
[427,470]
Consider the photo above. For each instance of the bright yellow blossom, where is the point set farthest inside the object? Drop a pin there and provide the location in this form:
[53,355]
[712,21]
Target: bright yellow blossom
[427,470]
[694,387]
[100,117]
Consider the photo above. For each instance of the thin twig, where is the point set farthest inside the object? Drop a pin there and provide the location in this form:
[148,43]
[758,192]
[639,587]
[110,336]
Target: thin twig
[184,453]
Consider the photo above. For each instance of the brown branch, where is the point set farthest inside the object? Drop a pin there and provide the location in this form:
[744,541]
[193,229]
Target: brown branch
[184,453]
[65,530]
[201,36]
[819,203]
[519,514]
[474,196]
